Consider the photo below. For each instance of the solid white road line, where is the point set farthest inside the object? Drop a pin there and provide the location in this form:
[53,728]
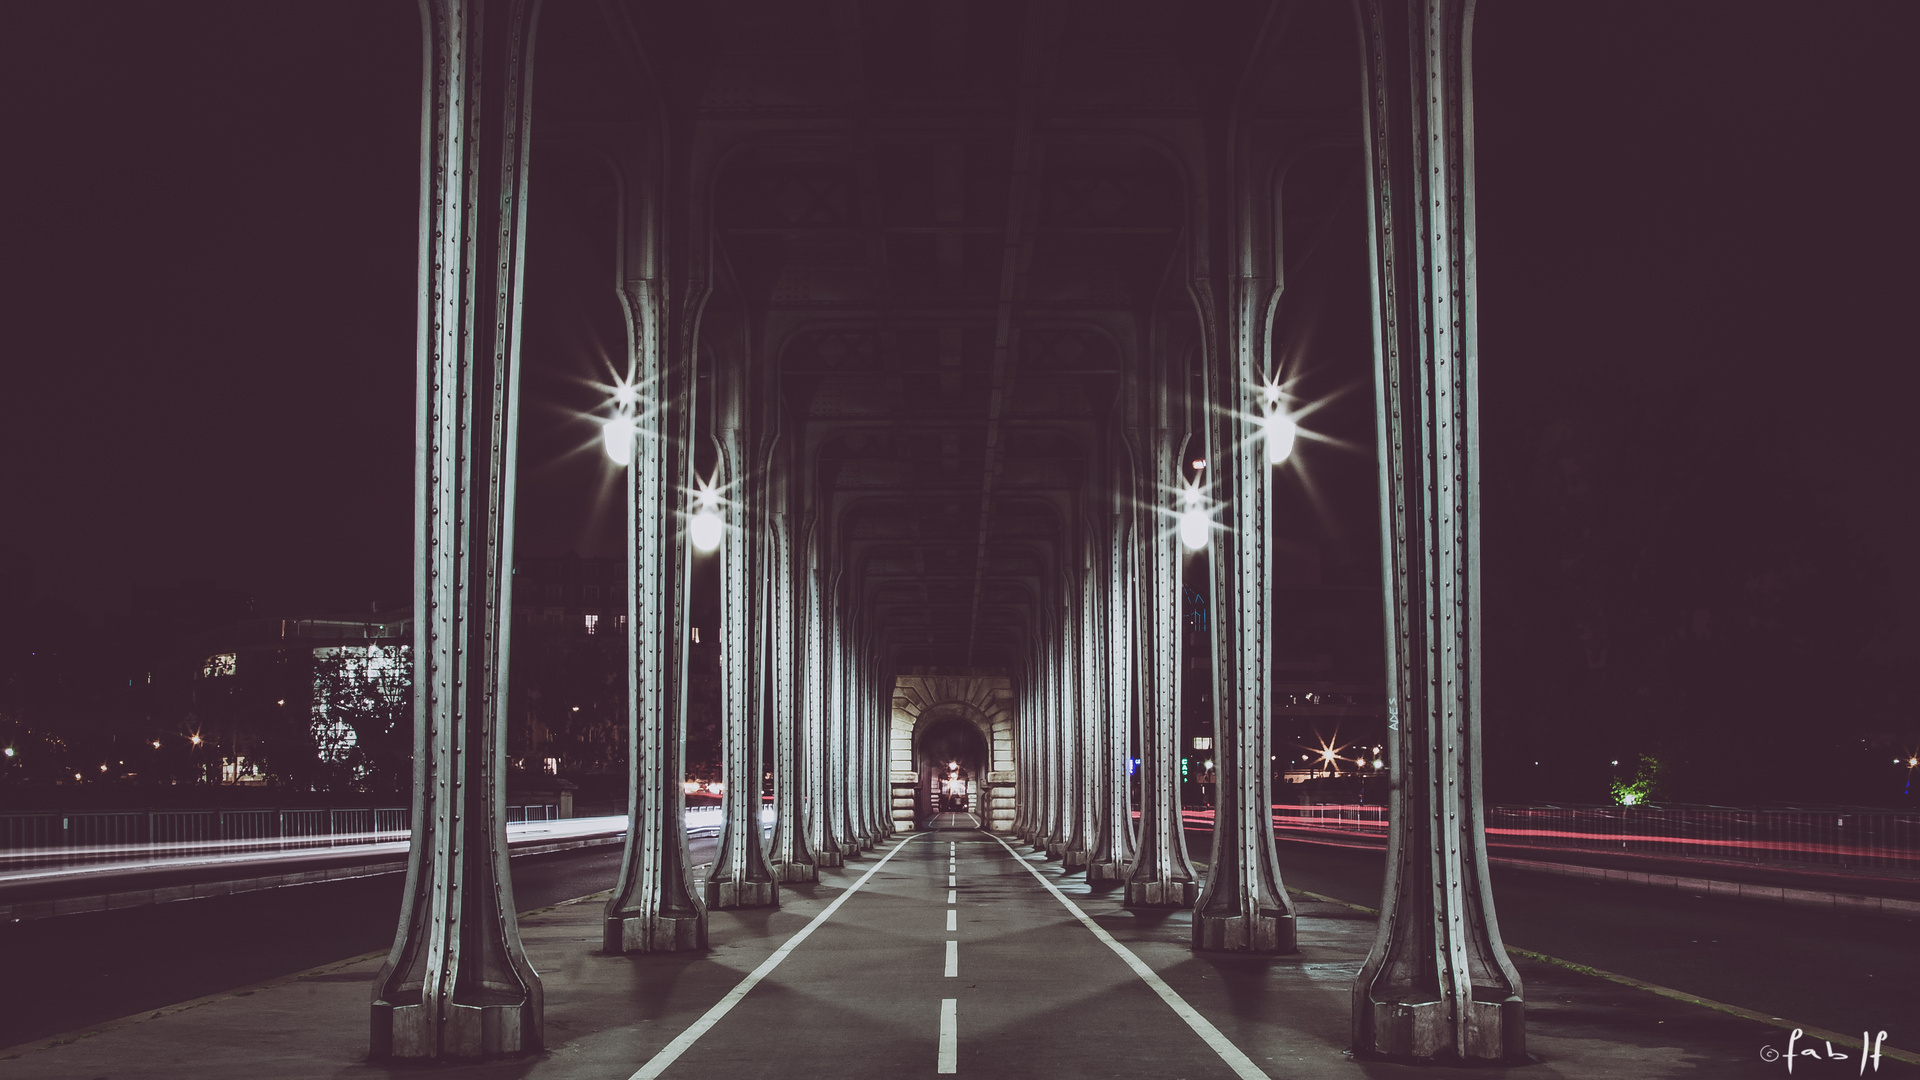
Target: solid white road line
[953,896]
[953,959]
[1241,1064]
[949,1035]
[681,1043]
[951,916]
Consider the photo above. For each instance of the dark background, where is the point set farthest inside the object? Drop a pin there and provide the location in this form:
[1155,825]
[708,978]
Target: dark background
[1694,231]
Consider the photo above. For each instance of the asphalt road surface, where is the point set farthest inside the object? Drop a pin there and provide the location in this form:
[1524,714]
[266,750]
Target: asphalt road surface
[1842,973]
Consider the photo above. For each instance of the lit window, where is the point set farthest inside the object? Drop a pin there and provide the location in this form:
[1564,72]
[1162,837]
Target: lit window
[591,622]
[220,664]
[1203,742]
[550,766]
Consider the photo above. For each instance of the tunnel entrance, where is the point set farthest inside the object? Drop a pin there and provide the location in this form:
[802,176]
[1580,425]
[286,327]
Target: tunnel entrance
[950,757]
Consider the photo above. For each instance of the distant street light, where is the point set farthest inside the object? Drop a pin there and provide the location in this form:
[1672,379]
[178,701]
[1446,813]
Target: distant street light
[1196,525]
[617,432]
[706,529]
[1277,429]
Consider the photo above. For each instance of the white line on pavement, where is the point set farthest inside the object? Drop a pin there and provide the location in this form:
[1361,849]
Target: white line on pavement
[953,896]
[951,882]
[952,915]
[1240,1063]
[953,959]
[949,1035]
[672,1051]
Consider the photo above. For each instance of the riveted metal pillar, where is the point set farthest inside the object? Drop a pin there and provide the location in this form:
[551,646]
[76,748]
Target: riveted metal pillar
[818,667]
[839,779]
[792,854]
[1079,751]
[1113,846]
[1438,986]
[457,983]
[654,907]
[1242,906]
[1161,876]
[741,876]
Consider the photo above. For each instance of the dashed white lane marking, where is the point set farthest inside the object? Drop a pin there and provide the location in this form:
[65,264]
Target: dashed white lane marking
[953,896]
[953,959]
[1241,1064]
[952,847]
[952,915]
[671,1052]
[951,881]
[949,1035]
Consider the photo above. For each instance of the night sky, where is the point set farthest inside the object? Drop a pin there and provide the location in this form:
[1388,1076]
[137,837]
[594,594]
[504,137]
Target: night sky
[1696,288]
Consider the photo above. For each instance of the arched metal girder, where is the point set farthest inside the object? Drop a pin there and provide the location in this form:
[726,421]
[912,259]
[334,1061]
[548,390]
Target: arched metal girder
[1438,985]
[457,983]
[741,876]
[1161,875]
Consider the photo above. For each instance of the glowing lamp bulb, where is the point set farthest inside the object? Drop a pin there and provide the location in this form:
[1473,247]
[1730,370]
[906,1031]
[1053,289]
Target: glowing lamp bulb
[705,529]
[617,434]
[1195,528]
[9,751]
[1278,431]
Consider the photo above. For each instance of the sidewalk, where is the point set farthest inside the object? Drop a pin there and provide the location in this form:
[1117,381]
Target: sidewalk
[608,1016]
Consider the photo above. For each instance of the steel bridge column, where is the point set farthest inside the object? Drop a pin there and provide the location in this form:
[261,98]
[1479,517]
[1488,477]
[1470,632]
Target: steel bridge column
[654,907]
[841,779]
[741,877]
[1161,876]
[1083,751]
[1114,847]
[1438,986]
[1054,843]
[792,853]
[456,983]
[827,850]
[859,731]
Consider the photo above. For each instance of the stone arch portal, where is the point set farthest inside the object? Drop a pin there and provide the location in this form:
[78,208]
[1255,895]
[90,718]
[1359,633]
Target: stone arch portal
[966,719]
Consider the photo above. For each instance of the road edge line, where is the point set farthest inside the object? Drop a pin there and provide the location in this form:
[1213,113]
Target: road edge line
[1740,1011]
[684,1041]
[1235,1058]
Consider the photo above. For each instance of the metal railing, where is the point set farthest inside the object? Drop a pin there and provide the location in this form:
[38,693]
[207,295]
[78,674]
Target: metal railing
[59,837]
[1844,838]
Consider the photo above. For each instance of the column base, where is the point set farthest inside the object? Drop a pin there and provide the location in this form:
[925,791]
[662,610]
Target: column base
[659,934]
[1075,859]
[1106,873]
[471,1032]
[788,872]
[1269,932]
[727,895]
[1161,894]
[851,850]
[827,860]
[1056,849]
[1422,1033]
